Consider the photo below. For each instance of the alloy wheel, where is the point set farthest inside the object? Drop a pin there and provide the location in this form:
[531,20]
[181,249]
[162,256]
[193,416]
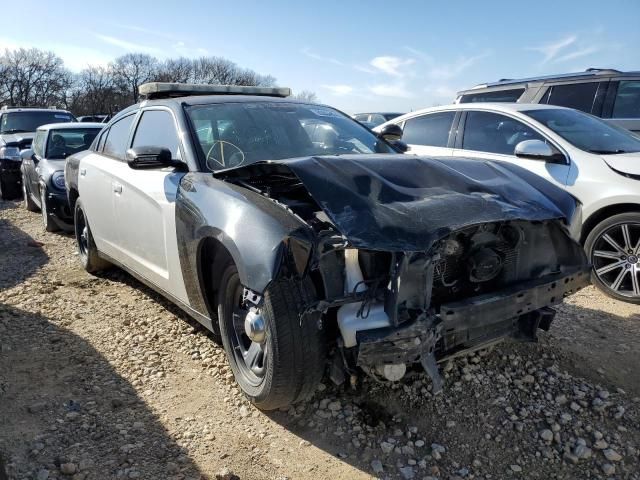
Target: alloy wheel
[82,233]
[616,259]
[251,356]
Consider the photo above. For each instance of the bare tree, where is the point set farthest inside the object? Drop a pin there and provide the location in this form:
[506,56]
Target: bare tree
[179,70]
[33,77]
[132,70]
[306,95]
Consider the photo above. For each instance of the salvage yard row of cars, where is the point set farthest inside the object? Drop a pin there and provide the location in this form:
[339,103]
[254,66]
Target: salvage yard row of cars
[304,240]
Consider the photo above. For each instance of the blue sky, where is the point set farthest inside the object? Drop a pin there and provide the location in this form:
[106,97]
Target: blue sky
[358,56]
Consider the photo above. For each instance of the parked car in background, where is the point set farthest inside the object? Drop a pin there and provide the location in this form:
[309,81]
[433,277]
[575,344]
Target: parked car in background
[42,169]
[603,92]
[371,120]
[291,231]
[17,128]
[95,118]
[595,161]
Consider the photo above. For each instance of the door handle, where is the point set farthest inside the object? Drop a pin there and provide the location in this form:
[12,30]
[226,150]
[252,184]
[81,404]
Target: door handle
[117,188]
[83,172]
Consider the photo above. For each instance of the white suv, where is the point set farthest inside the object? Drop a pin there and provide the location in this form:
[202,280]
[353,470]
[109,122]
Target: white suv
[596,162]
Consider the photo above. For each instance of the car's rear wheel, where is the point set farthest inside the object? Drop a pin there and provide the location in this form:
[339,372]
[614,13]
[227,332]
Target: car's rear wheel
[276,358]
[27,201]
[49,224]
[87,250]
[613,247]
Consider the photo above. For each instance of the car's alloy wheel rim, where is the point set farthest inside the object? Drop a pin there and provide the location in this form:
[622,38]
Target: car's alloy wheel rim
[82,232]
[251,357]
[43,208]
[616,259]
[24,193]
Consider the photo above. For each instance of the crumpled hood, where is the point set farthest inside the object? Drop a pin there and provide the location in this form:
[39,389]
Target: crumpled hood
[628,163]
[406,203]
[16,139]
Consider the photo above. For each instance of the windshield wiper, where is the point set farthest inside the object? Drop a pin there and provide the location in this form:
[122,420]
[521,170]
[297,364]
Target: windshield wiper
[14,130]
[607,152]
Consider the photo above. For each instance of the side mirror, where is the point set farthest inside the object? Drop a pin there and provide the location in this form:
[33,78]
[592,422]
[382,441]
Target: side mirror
[391,132]
[538,150]
[28,155]
[400,146]
[141,158]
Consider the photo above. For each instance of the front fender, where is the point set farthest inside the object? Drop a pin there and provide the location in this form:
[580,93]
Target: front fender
[253,229]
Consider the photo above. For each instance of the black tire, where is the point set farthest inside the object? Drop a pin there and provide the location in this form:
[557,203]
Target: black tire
[616,266]
[27,201]
[87,250]
[8,191]
[294,361]
[49,224]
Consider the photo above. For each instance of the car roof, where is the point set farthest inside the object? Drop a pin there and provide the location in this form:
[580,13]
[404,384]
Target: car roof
[71,125]
[31,109]
[587,74]
[497,106]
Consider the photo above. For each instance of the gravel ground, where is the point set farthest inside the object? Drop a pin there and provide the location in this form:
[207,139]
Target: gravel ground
[101,378]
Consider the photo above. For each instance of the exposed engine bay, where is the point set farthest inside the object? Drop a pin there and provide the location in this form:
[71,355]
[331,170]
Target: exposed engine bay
[426,271]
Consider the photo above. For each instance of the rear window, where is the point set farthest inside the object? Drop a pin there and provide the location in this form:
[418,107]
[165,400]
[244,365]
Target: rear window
[496,96]
[431,130]
[576,95]
[29,121]
[627,103]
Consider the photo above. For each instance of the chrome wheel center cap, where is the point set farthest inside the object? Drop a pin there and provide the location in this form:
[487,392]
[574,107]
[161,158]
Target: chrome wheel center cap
[254,326]
[632,259]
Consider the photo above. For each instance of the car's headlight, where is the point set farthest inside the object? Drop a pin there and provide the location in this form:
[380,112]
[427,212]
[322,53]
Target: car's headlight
[58,180]
[10,153]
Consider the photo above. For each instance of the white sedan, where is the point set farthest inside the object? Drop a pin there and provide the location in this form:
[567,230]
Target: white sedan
[596,162]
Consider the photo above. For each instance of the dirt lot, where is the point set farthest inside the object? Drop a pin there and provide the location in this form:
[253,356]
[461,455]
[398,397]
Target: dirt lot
[101,378]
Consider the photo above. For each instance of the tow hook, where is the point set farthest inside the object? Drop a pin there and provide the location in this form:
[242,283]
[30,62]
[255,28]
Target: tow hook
[430,366]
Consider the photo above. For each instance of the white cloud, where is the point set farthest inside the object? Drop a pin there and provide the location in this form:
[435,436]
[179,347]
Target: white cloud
[553,49]
[578,54]
[441,91]
[418,53]
[397,90]
[320,58]
[391,65]
[128,46]
[445,71]
[339,89]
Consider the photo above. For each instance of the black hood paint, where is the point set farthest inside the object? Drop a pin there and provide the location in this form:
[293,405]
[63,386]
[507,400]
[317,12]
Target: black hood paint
[406,202]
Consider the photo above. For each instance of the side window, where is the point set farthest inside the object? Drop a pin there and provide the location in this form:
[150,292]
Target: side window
[38,143]
[103,137]
[578,95]
[115,143]
[496,96]
[362,117]
[627,102]
[495,133]
[431,129]
[156,128]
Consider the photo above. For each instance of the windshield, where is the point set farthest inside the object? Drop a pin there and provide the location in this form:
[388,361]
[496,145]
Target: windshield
[587,132]
[26,121]
[235,134]
[65,142]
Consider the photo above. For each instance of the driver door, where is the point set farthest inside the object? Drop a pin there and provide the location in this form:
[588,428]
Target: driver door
[493,136]
[144,203]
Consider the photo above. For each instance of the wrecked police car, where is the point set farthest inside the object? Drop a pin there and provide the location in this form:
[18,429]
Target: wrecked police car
[303,241]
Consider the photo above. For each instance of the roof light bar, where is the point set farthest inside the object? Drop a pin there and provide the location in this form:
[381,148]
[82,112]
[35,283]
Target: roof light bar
[154,90]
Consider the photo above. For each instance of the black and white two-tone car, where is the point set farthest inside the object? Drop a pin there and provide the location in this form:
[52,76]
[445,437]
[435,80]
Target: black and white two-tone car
[301,248]
[42,170]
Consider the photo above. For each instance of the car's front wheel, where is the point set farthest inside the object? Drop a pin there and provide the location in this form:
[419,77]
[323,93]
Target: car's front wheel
[27,201]
[613,247]
[277,358]
[49,224]
[87,250]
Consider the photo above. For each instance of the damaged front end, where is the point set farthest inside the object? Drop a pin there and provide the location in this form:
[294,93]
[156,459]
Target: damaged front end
[417,260]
